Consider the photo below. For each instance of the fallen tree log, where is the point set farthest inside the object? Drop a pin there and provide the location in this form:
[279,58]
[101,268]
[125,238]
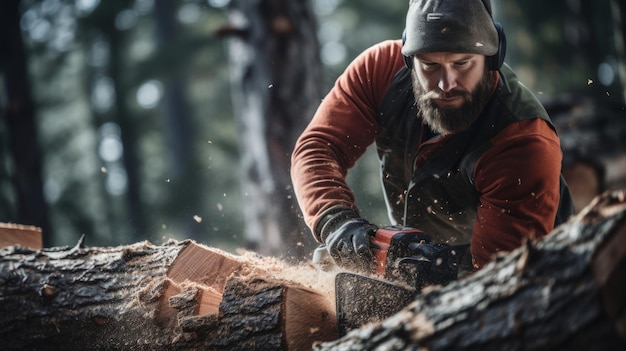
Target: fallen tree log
[179,296]
[564,292]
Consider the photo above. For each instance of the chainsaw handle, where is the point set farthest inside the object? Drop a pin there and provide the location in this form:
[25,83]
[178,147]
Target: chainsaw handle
[381,242]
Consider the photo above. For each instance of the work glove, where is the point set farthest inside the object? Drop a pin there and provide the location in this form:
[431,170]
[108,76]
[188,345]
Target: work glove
[348,240]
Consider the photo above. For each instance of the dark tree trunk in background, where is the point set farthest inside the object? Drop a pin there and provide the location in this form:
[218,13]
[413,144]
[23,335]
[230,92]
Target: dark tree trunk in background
[20,120]
[177,124]
[276,85]
[129,132]
[619,17]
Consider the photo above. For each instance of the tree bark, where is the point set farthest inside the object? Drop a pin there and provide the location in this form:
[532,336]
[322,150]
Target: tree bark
[564,292]
[74,298]
[276,87]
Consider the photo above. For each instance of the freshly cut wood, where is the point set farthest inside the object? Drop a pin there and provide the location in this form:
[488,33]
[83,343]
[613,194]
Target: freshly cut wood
[206,300]
[205,265]
[311,316]
[566,291]
[204,269]
[177,296]
[17,234]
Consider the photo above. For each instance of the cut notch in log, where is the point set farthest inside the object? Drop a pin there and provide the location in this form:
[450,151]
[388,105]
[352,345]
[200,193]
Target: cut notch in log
[204,265]
[206,301]
[202,268]
[193,294]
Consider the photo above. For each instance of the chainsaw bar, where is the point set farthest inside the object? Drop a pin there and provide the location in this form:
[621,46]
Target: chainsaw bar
[361,300]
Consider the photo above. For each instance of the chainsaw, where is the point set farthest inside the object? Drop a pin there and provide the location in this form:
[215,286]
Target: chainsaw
[406,260]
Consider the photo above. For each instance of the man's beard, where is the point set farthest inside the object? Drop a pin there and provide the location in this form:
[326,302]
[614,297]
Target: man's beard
[449,120]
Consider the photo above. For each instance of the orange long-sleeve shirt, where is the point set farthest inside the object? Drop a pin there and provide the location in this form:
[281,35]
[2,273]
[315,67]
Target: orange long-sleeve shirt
[517,178]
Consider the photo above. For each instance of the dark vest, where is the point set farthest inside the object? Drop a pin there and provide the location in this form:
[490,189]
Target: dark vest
[440,196]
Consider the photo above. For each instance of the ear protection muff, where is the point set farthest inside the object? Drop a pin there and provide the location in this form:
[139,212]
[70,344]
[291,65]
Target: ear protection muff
[408,61]
[494,62]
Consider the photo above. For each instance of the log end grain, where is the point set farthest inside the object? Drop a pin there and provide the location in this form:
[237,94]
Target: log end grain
[309,318]
[23,235]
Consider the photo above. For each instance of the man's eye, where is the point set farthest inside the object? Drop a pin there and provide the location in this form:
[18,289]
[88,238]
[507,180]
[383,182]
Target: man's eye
[461,63]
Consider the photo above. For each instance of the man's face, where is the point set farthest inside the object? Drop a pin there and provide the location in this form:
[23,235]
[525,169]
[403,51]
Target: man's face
[450,89]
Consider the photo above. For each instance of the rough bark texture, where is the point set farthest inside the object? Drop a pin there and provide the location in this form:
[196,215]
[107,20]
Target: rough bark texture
[250,319]
[81,298]
[155,298]
[565,292]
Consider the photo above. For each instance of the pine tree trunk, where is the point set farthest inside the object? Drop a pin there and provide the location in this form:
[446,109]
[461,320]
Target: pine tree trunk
[619,18]
[18,110]
[276,87]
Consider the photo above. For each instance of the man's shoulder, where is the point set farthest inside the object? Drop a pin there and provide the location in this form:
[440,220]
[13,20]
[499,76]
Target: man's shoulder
[391,44]
[373,70]
[384,53]
[518,99]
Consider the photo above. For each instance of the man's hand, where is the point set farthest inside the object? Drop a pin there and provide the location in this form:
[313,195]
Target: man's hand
[350,245]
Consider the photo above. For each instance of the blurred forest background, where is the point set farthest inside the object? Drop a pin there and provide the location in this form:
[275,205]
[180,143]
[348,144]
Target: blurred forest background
[133,120]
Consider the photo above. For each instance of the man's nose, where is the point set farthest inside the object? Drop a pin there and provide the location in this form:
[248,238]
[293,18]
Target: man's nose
[447,81]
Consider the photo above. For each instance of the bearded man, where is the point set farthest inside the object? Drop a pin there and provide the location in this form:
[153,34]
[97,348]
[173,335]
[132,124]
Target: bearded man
[468,154]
